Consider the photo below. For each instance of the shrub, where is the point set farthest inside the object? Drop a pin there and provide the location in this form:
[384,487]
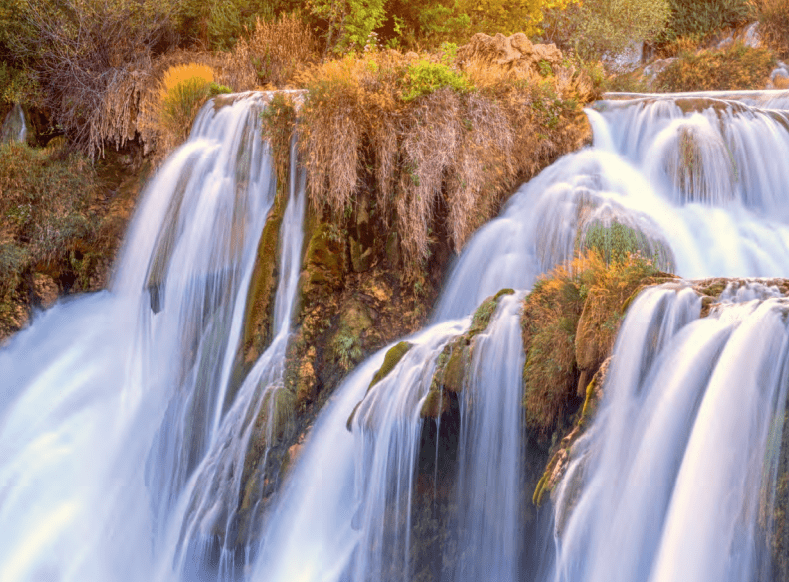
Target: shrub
[774,19]
[699,18]
[18,86]
[349,22]
[597,27]
[737,68]
[424,77]
[88,55]
[183,90]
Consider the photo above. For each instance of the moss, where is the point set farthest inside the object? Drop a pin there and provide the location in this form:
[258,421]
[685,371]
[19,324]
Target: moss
[586,411]
[258,322]
[569,323]
[436,403]
[391,359]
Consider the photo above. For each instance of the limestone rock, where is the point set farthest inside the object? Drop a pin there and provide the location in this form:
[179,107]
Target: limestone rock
[515,51]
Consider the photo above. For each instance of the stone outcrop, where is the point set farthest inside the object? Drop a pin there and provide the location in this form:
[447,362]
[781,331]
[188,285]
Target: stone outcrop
[515,51]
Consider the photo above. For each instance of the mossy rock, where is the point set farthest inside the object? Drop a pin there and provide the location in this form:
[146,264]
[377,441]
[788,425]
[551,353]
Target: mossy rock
[391,359]
[436,404]
[258,319]
[325,261]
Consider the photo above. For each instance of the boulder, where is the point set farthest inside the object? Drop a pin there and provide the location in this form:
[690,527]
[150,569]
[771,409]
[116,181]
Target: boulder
[515,51]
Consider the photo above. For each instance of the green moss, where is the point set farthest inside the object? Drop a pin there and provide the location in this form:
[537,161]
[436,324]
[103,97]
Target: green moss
[391,359]
[590,390]
[263,286]
[436,403]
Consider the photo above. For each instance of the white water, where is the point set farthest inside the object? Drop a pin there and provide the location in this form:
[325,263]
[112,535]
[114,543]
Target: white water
[726,217]
[14,126]
[121,453]
[110,401]
[666,485]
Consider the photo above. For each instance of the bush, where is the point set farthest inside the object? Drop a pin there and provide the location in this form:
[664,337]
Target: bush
[183,90]
[774,19]
[424,77]
[597,27]
[699,18]
[88,55]
[44,208]
[739,67]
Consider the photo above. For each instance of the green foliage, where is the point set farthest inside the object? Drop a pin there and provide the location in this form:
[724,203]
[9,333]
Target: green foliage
[349,23]
[596,27]
[215,89]
[18,86]
[617,243]
[44,208]
[739,67]
[699,18]
[347,348]
[425,77]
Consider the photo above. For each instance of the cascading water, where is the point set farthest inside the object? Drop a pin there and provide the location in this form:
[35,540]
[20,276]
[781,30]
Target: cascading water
[667,484]
[14,126]
[698,178]
[113,403]
[122,443]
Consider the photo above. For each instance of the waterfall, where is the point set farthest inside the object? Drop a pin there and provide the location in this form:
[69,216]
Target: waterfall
[14,126]
[124,430]
[113,404]
[698,178]
[667,482]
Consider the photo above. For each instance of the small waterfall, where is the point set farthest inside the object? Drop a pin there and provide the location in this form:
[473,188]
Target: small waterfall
[14,126]
[208,520]
[490,537]
[345,510]
[667,483]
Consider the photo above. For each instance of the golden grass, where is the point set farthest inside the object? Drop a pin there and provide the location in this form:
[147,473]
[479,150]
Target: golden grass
[442,162]
[178,74]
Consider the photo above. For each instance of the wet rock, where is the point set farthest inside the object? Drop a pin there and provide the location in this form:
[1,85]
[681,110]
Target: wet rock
[45,290]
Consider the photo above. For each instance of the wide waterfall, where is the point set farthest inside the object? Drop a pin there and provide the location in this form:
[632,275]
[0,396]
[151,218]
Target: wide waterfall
[124,426]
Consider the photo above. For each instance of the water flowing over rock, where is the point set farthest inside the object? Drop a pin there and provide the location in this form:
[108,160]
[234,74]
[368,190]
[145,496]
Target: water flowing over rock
[144,430]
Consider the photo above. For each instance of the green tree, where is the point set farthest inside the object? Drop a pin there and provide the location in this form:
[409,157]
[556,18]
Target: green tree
[349,23]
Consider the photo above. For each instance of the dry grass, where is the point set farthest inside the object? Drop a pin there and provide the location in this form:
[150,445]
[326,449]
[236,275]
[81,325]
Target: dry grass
[271,54]
[738,67]
[441,162]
